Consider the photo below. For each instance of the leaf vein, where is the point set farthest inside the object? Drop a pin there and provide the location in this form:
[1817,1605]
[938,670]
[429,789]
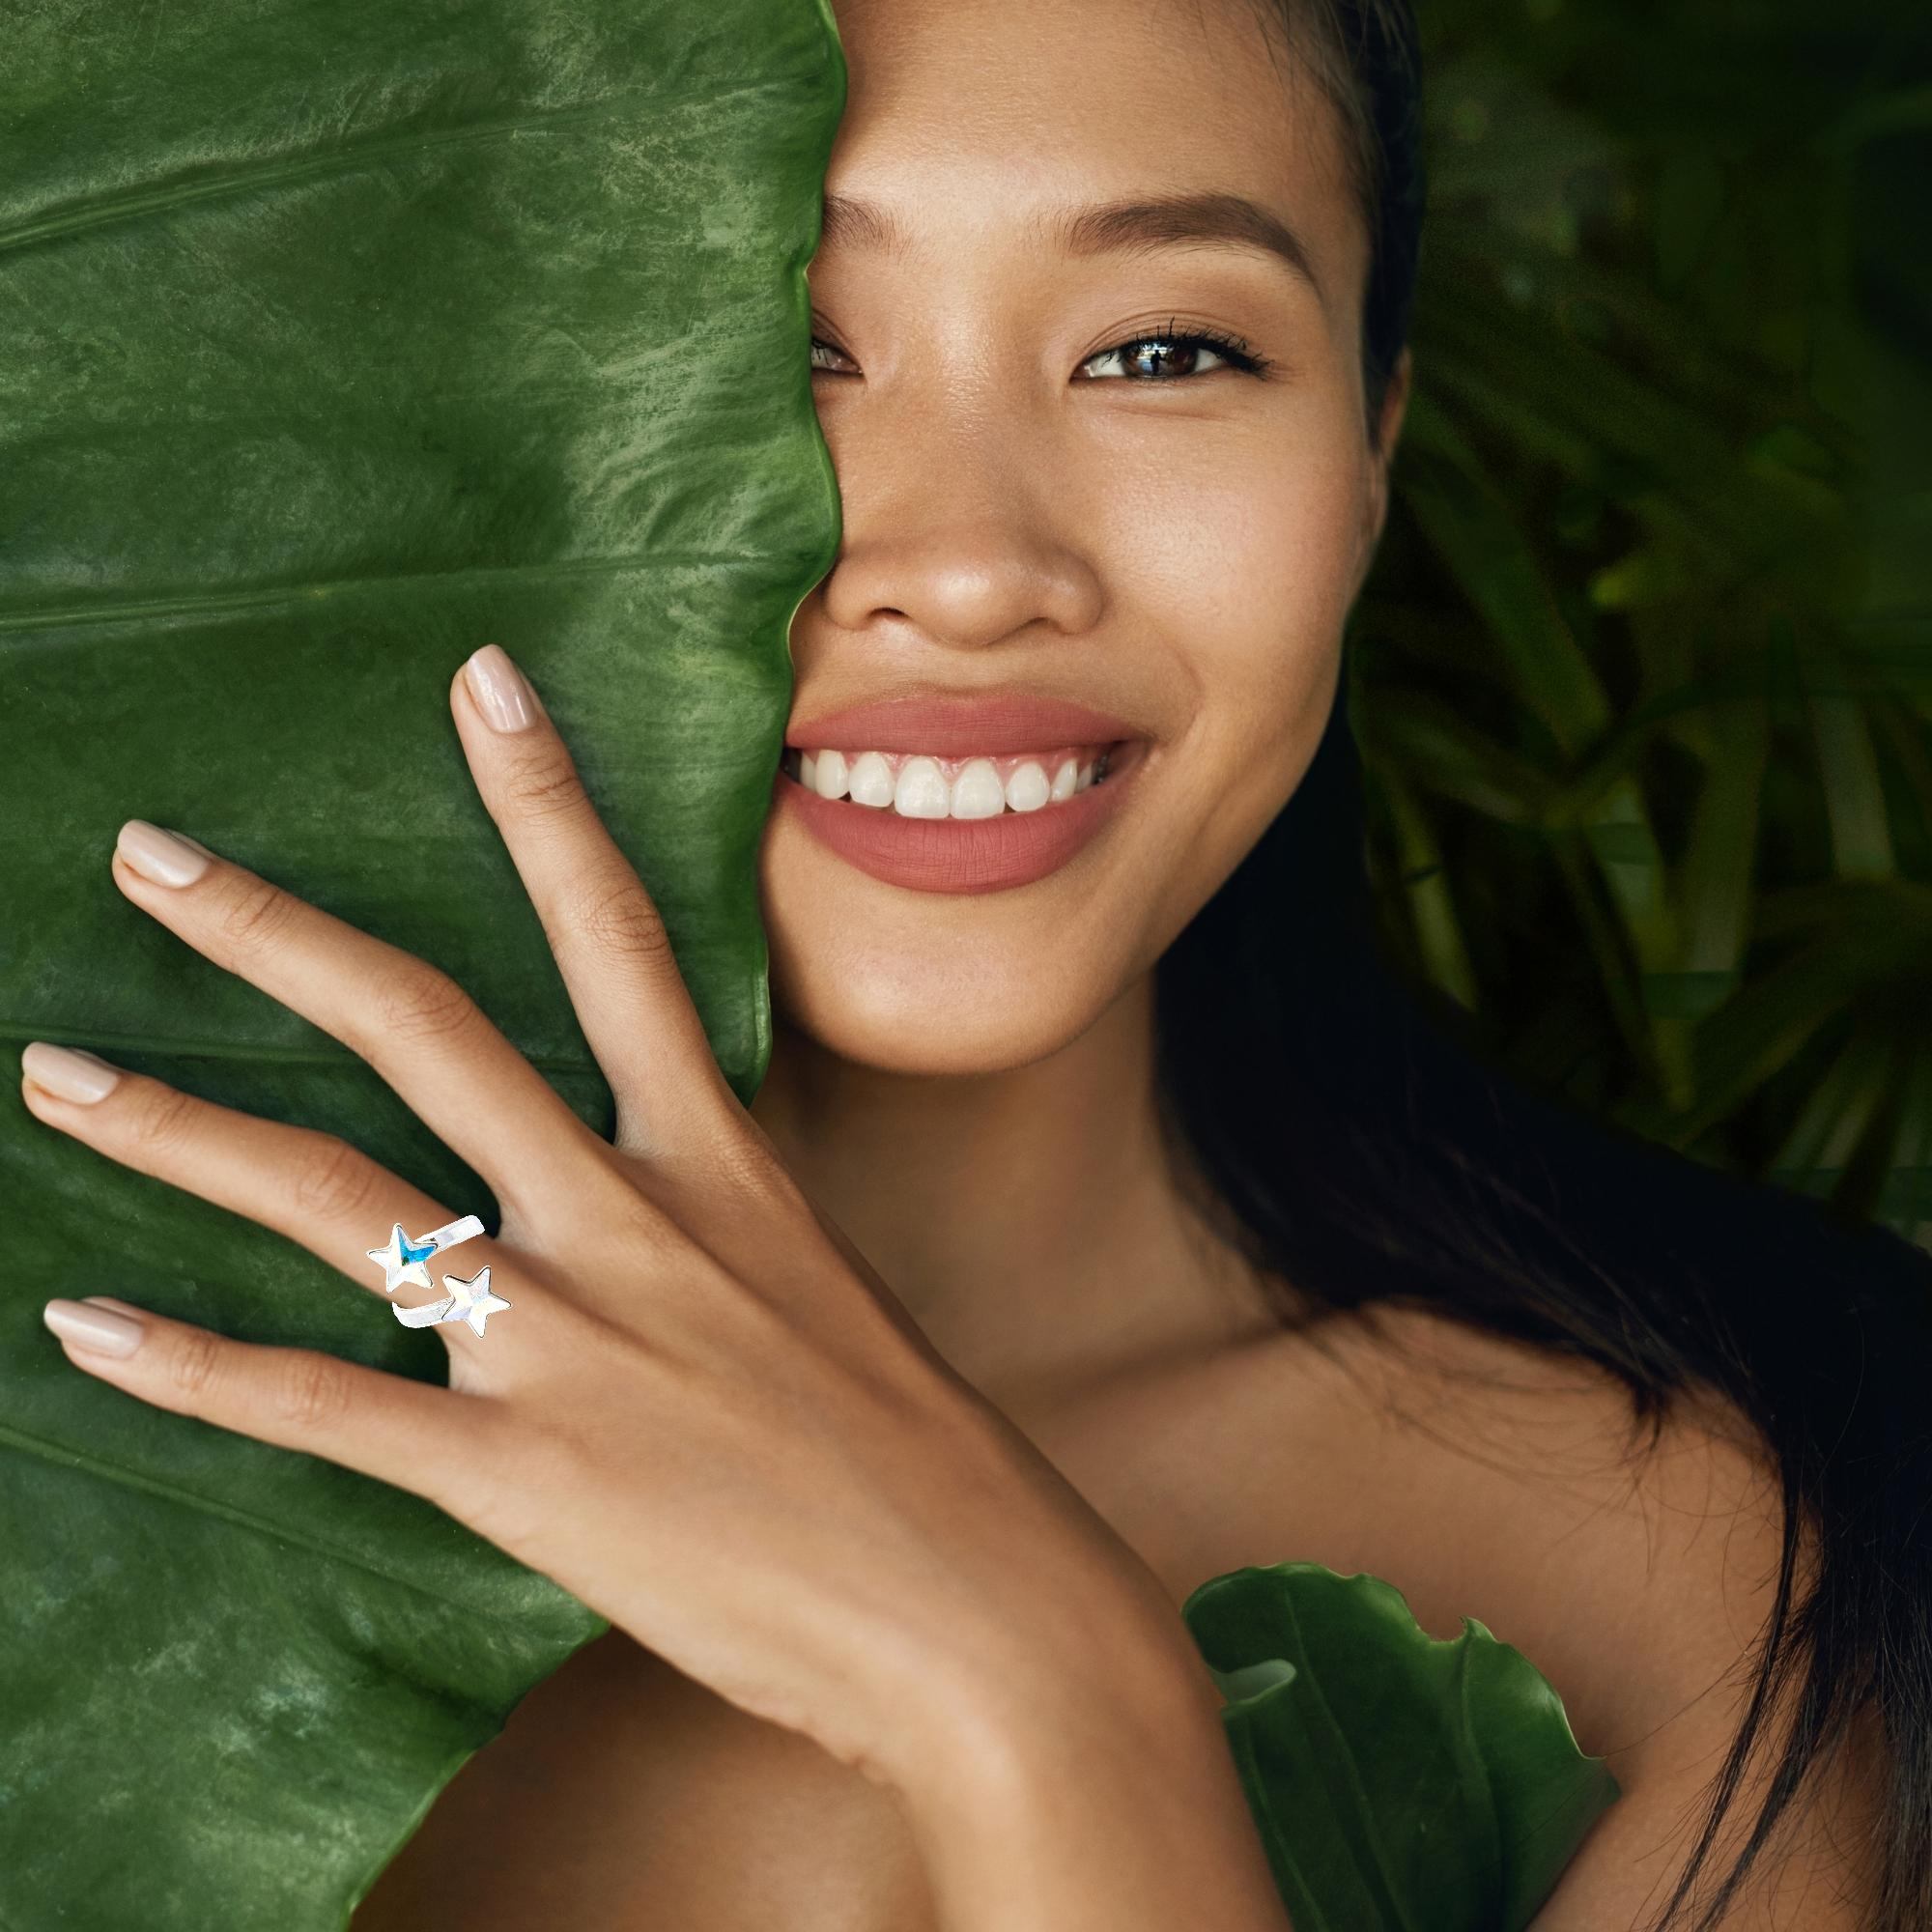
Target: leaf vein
[210,184]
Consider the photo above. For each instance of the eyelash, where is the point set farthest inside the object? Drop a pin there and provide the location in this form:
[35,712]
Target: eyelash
[1233,349]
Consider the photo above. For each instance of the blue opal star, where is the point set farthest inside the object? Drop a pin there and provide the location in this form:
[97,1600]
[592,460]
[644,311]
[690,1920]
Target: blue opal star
[403,1261]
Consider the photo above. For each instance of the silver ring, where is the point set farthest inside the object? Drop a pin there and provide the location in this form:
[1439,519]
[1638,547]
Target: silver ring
[404,1258]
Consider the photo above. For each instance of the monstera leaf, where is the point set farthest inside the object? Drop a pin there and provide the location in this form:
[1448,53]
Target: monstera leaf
[1398,1781]
[339,341]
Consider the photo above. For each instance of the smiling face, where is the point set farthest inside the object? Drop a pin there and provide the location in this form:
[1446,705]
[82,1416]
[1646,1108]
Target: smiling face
[1049,492]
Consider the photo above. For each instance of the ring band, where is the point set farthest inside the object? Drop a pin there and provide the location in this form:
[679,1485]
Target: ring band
[447,1237]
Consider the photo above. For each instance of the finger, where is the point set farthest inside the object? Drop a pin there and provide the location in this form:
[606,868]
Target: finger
[400,1431]
[321,1192]
[412,1023]
[605,931]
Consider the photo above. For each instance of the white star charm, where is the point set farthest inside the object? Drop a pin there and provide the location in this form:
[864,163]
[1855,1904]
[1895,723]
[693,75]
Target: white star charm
[473,1302]
[403,1261]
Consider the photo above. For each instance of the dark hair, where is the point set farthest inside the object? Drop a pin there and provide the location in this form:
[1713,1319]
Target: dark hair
[1365,56]
[1367,1155]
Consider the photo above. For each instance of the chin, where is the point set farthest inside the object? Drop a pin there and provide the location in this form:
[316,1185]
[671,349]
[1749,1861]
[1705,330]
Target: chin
[932,983]
[950,982]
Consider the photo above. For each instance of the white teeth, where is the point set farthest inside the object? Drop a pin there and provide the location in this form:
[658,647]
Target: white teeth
[830,778]
[977,792]
[916,786]
[1027,788]
[923,791]
[870,781]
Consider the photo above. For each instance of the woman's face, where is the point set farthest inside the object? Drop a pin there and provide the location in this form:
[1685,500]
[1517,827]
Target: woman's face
[1046,494]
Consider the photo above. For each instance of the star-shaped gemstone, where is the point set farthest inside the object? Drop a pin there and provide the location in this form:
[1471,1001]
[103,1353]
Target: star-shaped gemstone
[403,1261]
[473,1302]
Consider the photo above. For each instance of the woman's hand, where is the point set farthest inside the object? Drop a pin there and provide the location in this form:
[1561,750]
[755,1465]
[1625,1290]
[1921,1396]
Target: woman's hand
[702,1413]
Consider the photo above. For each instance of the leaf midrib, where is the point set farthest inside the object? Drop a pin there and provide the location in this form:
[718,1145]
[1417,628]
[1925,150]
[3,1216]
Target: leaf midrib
[115,1472]
[212,184]
[1367,1821]
[35,617]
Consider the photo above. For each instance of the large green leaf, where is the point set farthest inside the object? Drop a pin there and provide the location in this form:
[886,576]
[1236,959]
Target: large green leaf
[338,341]
[1401,1782]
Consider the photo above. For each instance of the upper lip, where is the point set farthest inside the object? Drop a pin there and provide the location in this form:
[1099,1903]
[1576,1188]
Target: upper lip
[996,722]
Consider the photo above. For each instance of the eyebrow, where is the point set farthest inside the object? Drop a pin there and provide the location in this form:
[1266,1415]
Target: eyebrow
[1137,226]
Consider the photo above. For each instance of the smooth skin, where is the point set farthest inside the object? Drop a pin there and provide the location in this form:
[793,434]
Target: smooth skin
[1072,1393]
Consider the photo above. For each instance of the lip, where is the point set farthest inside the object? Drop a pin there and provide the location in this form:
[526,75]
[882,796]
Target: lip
[998,725]
[959,855]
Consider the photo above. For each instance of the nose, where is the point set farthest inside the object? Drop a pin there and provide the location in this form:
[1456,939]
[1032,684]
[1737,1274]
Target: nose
[953,540]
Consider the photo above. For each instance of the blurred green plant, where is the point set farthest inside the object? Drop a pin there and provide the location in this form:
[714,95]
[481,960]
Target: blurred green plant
[1643,680]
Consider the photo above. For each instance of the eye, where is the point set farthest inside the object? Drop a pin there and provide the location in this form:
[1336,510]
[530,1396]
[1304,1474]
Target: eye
[1176,356]
[1166,350]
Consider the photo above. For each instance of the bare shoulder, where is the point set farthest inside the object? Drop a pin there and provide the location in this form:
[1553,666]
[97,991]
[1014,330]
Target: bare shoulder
[1516,1486]
[1636,1568]
[1481,1476]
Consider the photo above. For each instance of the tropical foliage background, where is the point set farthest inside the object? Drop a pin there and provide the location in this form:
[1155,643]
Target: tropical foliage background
[1644,679]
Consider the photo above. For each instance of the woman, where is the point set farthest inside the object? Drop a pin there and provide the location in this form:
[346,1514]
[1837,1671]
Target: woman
[1213,1255]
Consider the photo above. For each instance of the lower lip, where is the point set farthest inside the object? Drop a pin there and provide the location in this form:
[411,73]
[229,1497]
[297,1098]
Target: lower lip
[960,855]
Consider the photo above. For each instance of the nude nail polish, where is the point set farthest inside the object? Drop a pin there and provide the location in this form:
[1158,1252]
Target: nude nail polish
[89,1327]
[71,1072]
[501,692]
[159,855]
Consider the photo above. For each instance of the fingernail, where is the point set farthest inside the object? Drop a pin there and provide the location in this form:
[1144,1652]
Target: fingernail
[159,855]
[501,692]
[72,1072]
[88,1326]
[114,1301]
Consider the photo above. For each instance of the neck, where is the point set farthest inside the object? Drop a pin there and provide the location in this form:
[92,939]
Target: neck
[1029,1220]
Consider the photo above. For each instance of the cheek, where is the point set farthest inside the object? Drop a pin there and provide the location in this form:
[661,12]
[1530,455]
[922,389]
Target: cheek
[1240,557]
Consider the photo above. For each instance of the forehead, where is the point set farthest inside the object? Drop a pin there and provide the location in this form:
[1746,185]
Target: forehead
[989,117]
